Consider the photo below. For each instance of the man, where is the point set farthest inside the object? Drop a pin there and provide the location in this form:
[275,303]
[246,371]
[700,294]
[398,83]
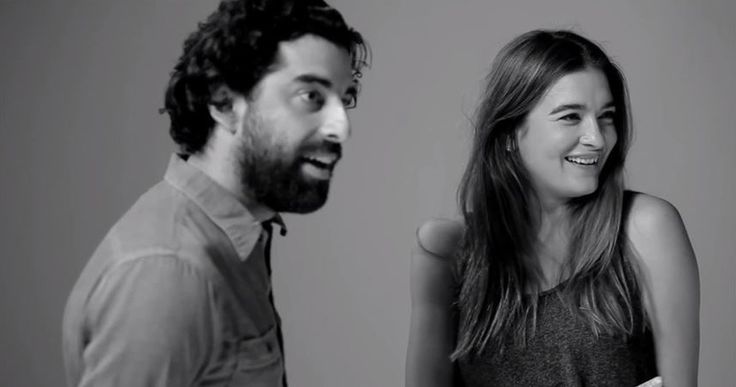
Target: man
[179,292]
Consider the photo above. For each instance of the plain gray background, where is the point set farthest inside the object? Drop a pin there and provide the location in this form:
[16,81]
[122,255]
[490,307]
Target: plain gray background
[81,82]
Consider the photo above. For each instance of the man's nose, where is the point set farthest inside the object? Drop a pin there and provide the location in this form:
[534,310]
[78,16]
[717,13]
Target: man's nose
[336,127]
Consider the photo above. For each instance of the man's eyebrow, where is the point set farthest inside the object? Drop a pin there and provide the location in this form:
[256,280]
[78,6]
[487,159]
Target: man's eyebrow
[311,78]
[353,89]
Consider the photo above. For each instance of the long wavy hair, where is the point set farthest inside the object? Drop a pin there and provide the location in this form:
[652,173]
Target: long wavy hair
[496,265]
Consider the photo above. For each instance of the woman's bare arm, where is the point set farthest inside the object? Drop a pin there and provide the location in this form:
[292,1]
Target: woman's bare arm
[671,286]
[431,334]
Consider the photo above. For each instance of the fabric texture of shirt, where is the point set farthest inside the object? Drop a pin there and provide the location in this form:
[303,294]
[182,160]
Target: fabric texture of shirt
[178,293]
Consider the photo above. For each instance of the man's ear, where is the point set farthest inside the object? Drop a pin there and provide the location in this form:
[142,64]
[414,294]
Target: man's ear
[228,108]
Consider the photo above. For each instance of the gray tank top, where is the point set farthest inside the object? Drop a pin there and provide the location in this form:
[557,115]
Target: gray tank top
[565,352]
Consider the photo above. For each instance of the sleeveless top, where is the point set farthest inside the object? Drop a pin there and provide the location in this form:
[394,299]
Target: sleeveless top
[564,351]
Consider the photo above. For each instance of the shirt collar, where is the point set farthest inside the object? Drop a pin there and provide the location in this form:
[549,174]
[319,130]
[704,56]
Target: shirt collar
[240,222]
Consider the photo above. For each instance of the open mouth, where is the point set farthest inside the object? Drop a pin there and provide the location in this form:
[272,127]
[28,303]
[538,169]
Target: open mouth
[583,160]
[321,161]
[320,166]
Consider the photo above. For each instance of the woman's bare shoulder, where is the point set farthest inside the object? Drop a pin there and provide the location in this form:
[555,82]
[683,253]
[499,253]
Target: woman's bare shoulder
[440,236]
[432,279]
[657,234]
[648,215]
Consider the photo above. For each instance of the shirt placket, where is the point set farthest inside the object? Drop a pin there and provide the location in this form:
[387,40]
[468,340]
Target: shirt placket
[268,235]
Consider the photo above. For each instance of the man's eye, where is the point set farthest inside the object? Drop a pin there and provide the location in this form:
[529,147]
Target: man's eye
[313,98]
[350,101]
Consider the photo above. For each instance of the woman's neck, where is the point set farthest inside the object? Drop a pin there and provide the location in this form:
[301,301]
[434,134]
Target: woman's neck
[551,251]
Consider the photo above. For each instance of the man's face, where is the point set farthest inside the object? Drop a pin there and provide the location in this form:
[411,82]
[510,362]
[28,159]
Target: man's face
[294,126]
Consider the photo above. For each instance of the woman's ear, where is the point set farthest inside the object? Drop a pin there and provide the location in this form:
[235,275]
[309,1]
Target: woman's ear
[227,109]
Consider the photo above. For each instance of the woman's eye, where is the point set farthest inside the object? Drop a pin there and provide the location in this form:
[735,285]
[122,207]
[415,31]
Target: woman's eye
[572,117]
[608,116]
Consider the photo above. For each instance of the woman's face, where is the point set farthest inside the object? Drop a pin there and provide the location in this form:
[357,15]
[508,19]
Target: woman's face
[567,137]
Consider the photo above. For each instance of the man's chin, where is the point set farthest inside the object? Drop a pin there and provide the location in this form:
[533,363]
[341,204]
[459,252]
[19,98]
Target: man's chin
[300,206]
[303,210]
[303,200]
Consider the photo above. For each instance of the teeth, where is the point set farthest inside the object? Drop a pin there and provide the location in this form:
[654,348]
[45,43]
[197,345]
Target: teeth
[326,160]
[583,161]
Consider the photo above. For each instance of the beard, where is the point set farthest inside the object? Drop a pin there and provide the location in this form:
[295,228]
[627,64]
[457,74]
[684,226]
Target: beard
[273,176]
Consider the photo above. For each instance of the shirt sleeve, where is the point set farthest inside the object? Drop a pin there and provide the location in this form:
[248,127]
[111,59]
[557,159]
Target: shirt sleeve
[150,323]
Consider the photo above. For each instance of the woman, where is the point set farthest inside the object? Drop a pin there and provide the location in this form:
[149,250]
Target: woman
[557,275]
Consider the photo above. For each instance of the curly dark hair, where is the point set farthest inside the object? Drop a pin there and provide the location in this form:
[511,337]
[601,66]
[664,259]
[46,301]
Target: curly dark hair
[237,46]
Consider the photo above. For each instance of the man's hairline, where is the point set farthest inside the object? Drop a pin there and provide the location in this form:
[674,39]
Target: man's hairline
[278,63]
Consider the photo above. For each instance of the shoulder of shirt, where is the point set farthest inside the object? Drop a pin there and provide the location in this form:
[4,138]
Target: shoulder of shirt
[164,217]
[152,232]
[440,236]
[164,264]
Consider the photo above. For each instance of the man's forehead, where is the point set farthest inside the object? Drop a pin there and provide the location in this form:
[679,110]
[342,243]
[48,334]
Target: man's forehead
[314,56]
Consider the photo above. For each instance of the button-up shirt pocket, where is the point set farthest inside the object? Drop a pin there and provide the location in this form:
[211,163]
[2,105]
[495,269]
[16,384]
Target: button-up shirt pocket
[259,361]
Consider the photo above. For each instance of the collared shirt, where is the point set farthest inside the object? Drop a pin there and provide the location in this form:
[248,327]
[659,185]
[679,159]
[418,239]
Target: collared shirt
[177,294]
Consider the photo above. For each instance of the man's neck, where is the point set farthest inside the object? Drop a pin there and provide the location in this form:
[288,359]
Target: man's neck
[225,173]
